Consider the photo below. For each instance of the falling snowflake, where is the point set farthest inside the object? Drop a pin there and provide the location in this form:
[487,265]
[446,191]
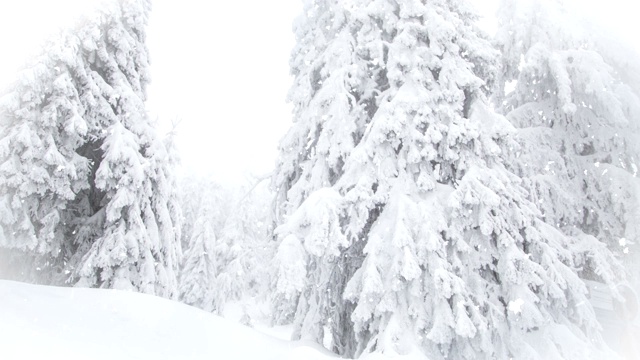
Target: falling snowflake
[516,306]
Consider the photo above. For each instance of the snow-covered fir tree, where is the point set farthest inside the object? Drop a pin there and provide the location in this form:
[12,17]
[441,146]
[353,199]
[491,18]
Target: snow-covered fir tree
[165,201]
[578,131]
[197,192]
[41,127]
[400,229]
[204,204]
[86,182]
[232,267]
[333,96]
[198,272]
[244,250]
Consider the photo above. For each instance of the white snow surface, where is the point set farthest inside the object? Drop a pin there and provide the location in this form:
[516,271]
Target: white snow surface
[43,322]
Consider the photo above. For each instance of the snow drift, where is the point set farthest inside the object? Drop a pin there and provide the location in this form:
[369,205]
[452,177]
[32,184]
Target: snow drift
[42,322]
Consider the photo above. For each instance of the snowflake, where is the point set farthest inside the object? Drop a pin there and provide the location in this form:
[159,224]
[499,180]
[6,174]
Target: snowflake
[516,306]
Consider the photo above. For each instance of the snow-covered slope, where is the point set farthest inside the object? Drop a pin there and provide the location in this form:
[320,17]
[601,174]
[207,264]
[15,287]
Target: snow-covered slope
[41,322]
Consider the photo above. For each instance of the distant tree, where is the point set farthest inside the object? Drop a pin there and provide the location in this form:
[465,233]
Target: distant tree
[196,192]
[244,250]
[199,269]
[203,202]
[87,184]
[399,226]
[228,265]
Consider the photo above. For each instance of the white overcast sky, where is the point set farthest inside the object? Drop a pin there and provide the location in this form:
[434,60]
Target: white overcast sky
[221,67]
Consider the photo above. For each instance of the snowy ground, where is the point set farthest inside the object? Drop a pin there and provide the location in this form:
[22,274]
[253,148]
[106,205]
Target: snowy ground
[41,322]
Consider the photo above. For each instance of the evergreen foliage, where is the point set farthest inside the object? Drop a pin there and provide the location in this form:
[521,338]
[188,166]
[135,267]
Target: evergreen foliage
[199,269]
[578,132]
[408,231]
[86,182]
[436,196]
[245,249]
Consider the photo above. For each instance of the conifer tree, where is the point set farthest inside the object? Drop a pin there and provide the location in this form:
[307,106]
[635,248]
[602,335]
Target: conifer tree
[333,96]
[416,238]
[578,132]
[198,273]
[41,126]
[86,179]
[242,273]
[197,192]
